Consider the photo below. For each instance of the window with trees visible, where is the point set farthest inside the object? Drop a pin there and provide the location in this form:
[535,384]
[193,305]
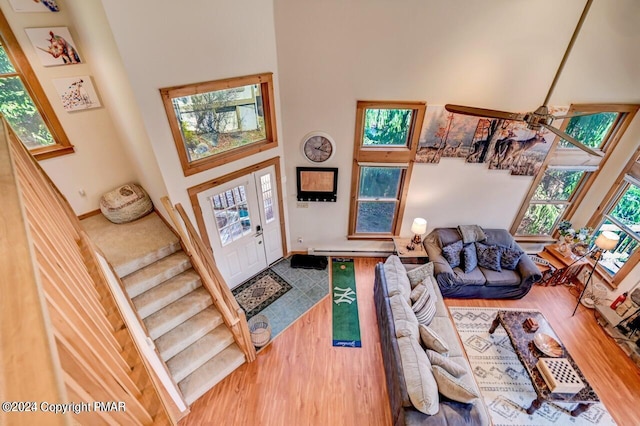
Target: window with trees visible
[621,215]
[220,121]
[23,102]
[555,194]
[385,146]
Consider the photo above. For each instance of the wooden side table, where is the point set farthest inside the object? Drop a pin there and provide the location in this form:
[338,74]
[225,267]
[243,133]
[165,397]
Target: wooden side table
[417,255]
[567,265]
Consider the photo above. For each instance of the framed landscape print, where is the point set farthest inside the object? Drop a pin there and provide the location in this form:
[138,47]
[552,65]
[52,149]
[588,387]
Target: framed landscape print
[34,5]
[54,46]
[77,93]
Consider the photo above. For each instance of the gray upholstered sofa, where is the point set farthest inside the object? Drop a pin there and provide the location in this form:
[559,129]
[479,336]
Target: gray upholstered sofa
[480,282]
[449,412]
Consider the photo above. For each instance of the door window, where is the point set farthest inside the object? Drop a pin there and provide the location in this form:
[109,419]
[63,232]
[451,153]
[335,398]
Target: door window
[267,197]
[232,214]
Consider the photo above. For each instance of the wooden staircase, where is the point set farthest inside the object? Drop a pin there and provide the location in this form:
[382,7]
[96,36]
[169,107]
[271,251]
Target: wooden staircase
[177,311]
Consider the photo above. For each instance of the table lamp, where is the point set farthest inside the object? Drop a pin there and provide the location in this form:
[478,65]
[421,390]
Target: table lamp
[607,240]
[418,228]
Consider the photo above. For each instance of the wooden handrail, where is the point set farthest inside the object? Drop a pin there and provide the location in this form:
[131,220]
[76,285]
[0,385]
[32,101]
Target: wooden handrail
[203,262]
[63,338]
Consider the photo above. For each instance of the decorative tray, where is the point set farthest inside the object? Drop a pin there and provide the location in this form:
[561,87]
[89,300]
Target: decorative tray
[547,345]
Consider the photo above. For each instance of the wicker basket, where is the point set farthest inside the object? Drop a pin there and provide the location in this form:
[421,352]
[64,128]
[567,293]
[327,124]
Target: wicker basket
[260,330]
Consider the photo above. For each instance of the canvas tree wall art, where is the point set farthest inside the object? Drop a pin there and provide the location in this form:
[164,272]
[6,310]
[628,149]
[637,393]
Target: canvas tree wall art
[54,46]
[34,5]
[77,93]
[502,144]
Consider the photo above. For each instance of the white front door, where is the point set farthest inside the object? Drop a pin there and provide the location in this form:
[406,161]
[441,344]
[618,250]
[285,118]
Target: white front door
[243,225]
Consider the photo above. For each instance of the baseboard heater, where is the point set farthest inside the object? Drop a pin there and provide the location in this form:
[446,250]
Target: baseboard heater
[347,253]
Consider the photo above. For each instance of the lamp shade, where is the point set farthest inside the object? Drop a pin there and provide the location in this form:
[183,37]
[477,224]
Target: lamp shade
[607,240]
[419,226]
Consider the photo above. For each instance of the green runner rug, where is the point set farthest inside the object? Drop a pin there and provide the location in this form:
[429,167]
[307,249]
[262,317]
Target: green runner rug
[346,323]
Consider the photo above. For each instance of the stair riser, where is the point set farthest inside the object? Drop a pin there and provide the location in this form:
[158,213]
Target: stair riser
[157,329]
[188,338]
[204,378]
[133,266]
[166,274]
[168,299]
[199,357]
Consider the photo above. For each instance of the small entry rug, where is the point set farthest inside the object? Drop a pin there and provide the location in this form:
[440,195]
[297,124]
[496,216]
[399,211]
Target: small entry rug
[260,291]
[503,381]
[346,323]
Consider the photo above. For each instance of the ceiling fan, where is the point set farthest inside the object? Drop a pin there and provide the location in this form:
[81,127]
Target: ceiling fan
[540,118]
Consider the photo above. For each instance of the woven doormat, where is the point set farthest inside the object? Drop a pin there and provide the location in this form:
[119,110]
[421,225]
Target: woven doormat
[260,291]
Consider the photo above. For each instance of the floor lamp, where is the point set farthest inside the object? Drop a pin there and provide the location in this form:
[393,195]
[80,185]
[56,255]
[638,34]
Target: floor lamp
[607,240]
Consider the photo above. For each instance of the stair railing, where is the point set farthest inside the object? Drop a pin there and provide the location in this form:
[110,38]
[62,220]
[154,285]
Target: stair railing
[203,262]
[61,335]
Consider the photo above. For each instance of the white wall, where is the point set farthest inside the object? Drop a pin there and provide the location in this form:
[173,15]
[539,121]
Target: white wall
[164,44]
[333,53]
[99,163]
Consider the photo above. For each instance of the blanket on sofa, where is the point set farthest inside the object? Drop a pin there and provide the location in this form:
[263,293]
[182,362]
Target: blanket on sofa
[471,233]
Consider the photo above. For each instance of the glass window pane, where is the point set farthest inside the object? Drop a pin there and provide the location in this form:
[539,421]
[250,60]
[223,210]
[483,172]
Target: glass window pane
[540,219]
[387,126]
[375,216]
[627,209]
[613,260]
[5,65]
[22,115]
[267,197]
[221,120]
[379,182]
[557,185]
[590,129]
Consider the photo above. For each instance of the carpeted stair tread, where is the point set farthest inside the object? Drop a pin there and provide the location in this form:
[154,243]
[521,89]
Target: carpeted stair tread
[177,312]
[188,332]
[134,245]
[210,373]
[200,352]
[168,292]
[156,273]
[138,263]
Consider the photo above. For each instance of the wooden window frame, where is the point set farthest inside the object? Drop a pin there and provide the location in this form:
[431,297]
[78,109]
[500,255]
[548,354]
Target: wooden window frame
[265,80]
[390,156]
[627,113]
[62,145]
[613,196]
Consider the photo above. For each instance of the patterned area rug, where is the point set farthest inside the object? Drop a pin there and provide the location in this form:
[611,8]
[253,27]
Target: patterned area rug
[503,381]
[260,291]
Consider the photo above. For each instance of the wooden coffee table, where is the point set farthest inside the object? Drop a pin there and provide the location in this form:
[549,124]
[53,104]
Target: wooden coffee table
[528,354]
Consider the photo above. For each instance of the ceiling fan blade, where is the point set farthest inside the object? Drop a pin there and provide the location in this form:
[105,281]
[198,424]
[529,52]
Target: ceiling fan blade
[573,114]
[482,112]
[573,140]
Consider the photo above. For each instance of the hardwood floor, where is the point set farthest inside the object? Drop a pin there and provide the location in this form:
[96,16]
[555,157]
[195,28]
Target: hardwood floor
[300,378]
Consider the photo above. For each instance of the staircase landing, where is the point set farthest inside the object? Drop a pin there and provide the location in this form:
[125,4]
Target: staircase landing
[131,246]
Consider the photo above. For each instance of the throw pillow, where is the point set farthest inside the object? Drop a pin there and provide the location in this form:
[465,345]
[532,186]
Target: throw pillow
[406,328]
[452,367]
[509,257]
[418,376]
[488,256]
[452,253]
[469,258]
[401,310]
[417,275]
[432,340]
[396,277]
[417,292]
[452,387]
[425,306]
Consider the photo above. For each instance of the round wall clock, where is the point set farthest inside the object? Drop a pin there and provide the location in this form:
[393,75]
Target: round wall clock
[318,147]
